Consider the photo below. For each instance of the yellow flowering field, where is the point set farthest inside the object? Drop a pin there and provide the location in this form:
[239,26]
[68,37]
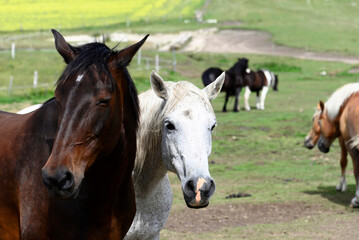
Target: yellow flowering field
[41,14]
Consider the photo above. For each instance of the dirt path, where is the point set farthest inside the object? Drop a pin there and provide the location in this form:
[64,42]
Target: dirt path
[248,41]
[229,41]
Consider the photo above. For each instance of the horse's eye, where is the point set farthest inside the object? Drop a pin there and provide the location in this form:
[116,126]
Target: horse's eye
[103,102]
[213,126]
[170,126]
[319,122]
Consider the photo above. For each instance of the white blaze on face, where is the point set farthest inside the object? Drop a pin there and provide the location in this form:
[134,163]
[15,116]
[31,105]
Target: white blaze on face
[200,183]
[248,70]
[79,78]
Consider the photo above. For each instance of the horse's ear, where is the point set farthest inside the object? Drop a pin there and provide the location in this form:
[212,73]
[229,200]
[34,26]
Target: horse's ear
[158,85]
[65,49]
[213,89]
[318,107]
[125,56]
[321,105]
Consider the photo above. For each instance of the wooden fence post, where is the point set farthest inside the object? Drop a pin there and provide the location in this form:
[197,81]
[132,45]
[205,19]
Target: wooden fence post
[13,50]
[157,63]
[36,75]
[139,57]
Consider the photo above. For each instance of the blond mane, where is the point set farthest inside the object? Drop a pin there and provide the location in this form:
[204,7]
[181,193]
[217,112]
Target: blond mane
[337,99]
[153,112]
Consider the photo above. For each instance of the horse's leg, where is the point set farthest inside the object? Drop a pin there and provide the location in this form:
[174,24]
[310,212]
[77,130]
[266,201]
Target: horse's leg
[236,104]
[263,97]
[258,104]
[355,157]
[342,186]
[225,103]
[247,93]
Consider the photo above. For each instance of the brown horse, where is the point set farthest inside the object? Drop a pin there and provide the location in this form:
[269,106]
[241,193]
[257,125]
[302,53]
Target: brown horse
[80,145]
[342,121]
[311,140]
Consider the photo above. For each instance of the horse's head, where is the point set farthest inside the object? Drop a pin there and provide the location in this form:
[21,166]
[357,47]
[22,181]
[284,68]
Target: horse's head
[329,130]
[314,133]
[90,95]
[188,122]
[242,65]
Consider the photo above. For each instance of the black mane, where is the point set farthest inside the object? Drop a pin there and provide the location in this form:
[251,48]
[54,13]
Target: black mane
[97,54]
[239,67]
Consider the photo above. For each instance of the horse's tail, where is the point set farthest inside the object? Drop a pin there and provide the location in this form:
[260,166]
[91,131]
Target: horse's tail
[272,79]
[210,75]
[353,142]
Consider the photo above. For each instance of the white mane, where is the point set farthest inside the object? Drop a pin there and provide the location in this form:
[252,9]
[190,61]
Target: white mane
[153,112]
[337,99]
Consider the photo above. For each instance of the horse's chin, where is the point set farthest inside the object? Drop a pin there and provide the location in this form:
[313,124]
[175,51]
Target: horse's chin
[308,145]
[323,148]
[196,206]
[64,195]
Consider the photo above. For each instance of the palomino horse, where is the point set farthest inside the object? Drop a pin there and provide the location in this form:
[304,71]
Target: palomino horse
[176,124]
[311,140]
[259,81]
[233,83]
[339,117]
[66,167]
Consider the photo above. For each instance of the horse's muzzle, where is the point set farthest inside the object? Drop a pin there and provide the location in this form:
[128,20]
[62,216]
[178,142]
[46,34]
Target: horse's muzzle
[322,147]
[61,184]
[308,143]
[198,191]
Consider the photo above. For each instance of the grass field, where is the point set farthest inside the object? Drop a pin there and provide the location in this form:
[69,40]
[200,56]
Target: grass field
[314,24]
[261,152]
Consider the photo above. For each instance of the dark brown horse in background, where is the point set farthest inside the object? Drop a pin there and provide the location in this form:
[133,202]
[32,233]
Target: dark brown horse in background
[80,145]
[233,83]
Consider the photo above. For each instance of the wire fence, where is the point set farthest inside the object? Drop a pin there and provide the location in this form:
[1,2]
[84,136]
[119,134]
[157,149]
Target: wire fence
[143,62]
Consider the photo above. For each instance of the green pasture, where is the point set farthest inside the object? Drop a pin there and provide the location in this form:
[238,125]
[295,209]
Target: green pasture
[262,153]
[312,24]
[256,152]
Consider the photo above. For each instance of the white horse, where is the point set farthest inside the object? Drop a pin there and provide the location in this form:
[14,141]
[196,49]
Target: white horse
[176,124]
[271,81]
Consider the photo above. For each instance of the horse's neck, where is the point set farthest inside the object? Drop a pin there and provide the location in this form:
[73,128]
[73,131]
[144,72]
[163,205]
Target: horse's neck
[152,172]
[149,153]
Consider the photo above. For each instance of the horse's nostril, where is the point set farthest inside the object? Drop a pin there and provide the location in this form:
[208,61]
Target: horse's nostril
[66,181]
[63,180]
[212,188]
[190,186]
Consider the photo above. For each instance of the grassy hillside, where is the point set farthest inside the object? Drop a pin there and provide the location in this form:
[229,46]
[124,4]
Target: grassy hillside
[66,14]
[314,24]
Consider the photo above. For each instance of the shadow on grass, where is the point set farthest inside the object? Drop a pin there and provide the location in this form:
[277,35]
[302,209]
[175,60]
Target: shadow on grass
[330,193]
